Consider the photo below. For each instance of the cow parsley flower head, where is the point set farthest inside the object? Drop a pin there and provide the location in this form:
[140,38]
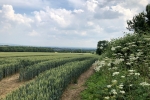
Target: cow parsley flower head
[113,49]
[128,63]
[122,92]
[136,74]
[109,64]
[131,85]
[115,68]
[114,81]
[107,98]
[131,71]
[145,84]
[121,86]
[109,86]
[115,73]
[113,91]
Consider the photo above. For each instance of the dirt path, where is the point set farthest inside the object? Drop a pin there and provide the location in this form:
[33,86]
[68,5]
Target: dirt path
[73,90]
[8,84]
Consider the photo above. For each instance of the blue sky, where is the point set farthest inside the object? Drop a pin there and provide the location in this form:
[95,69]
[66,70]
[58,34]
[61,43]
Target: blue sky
[65,23]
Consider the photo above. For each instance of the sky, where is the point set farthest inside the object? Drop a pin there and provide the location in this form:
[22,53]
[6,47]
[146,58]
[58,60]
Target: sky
[65,23]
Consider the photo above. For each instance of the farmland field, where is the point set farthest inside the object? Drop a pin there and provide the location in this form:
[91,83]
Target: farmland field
[50,73]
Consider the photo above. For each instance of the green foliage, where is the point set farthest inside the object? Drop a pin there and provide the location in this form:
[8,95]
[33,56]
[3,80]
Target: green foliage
[101,47]
[123,71]
[140,22]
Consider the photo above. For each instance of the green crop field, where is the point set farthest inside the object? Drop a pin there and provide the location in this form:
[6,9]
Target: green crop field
[52,72]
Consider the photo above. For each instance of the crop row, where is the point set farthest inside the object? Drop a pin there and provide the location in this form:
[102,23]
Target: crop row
[21,64]
[50,84]
[14,65]
[34,70]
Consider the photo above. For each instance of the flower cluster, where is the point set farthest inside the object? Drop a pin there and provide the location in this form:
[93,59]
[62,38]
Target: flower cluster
[127,67]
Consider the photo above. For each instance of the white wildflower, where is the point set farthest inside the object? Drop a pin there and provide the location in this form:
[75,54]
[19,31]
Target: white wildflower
[131,71]
[97,69]
[145,84]
[114,81]
[122,76]
[129,43]
[118,46]
[119,53]
[122,92]
[115,73]
[133,45]
[114,54]
[113,91]
[121,86]
[107,98]
[128,63]
[139,53]
[131,85]
[109,86]
[109,68]
[125,48]
[115,68]
[137,74]
[109,64]
[117,61]
[113,49]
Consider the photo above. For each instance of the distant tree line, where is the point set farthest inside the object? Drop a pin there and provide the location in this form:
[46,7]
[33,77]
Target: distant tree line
[6,48]
[24,49]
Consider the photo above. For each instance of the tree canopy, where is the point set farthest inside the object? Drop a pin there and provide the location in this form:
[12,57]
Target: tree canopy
[101,46]
[140,22]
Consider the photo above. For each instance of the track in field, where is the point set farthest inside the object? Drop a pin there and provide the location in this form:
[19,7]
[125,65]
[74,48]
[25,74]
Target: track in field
[9,84]
[73,90]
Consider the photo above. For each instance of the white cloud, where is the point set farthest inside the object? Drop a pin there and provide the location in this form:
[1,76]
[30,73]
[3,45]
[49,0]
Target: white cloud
[78,11]
[90,23]
[83,33]
[33,33]
[26,4]
[91,5]
[77,23]
[61,17]
[8,13]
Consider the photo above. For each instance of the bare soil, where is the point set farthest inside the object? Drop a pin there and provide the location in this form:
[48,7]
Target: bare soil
[9,84]
[73,90]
